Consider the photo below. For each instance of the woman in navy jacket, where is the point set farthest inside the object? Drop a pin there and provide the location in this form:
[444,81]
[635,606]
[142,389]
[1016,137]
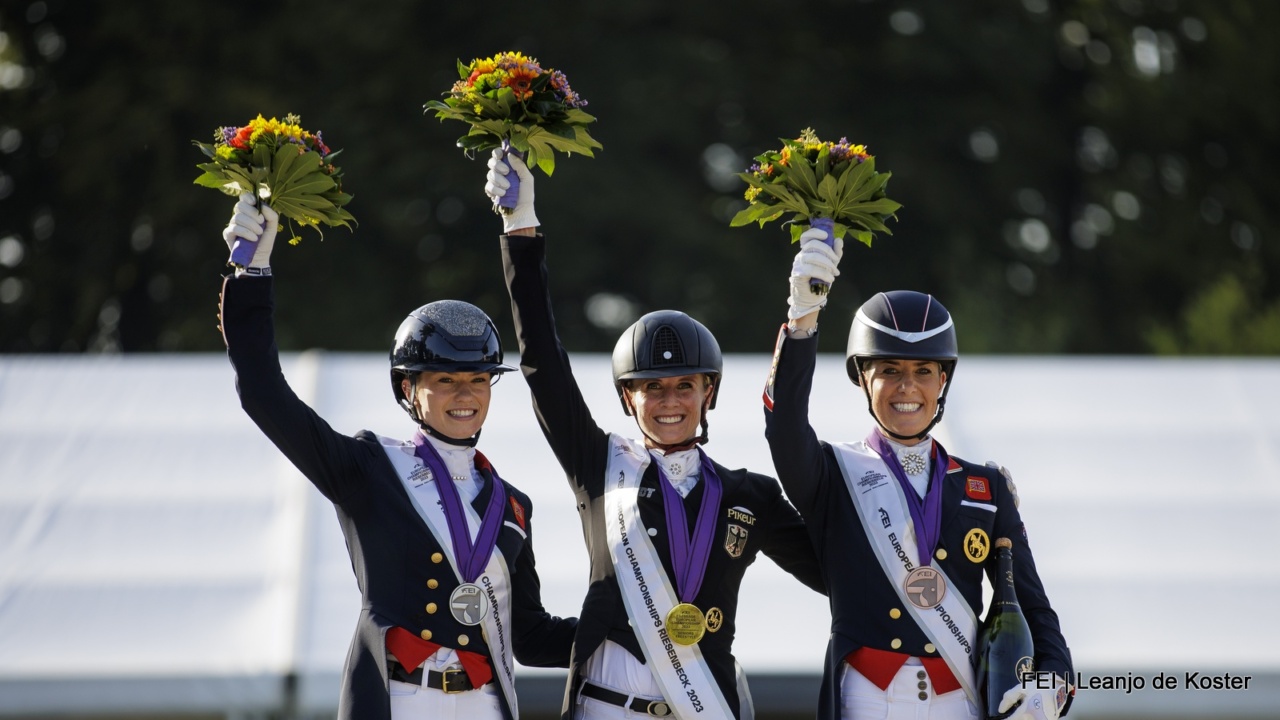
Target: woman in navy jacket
[904,530]
[441,546]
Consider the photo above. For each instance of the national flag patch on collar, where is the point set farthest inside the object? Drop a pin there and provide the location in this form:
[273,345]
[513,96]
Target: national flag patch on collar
[977,488]
[518,510]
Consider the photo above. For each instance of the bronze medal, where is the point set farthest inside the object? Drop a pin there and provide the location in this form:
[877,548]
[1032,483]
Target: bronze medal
[925,588]
[685,624]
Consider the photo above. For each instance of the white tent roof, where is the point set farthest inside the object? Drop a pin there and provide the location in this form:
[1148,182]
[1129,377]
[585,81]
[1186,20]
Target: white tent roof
[158,551]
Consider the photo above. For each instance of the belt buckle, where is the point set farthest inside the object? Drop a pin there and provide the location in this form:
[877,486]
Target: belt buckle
[658,708]
[446,679]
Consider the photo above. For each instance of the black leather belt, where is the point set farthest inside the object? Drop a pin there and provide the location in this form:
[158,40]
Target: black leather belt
[450,681]
[654,708]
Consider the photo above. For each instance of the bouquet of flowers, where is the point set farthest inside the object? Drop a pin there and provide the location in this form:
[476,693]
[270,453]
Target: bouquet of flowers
[279,162]
[511,101]
[831,186]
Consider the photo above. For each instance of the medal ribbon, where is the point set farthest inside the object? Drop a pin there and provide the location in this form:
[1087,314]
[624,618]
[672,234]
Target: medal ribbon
[689,555]
[926,514]
[471,559]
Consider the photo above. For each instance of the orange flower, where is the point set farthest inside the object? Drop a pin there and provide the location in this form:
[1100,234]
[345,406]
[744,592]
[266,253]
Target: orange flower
[520,79]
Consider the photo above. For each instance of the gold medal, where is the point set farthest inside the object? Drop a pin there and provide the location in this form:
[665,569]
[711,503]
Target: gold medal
[685,624]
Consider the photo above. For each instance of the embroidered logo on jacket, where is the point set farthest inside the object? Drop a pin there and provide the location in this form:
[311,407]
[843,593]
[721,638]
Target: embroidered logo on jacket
[976,545]
[976,488]
[735,540]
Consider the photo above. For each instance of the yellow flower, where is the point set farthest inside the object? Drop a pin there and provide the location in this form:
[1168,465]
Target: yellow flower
[224,152]
[751,194]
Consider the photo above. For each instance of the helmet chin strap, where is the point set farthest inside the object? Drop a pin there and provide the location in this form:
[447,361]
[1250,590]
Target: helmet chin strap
[686,444]
[465,442]
[417,416]
[937,416]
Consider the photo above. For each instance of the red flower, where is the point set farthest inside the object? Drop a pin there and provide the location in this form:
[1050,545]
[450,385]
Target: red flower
[241,140]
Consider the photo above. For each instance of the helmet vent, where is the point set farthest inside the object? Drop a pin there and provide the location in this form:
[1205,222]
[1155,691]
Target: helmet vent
[666,348]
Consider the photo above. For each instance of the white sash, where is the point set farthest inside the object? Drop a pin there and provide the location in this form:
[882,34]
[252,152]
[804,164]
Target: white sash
[881,505]
[686,680]
[494,580]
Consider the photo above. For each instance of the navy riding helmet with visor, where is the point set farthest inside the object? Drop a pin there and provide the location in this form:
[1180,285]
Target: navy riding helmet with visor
[902,325]
[444,336]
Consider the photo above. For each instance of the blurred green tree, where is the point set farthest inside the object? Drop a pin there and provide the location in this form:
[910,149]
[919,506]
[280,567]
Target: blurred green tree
[1078,176]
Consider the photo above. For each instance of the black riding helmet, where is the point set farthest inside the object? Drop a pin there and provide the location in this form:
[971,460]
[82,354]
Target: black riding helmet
[667,343]
[444,336]
[902,324]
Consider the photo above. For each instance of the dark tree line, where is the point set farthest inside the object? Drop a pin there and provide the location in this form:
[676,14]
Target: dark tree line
[1092,176]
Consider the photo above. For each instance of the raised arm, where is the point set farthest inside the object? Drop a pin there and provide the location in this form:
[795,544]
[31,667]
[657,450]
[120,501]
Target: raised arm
[574,436]
[798,456]
[324,456]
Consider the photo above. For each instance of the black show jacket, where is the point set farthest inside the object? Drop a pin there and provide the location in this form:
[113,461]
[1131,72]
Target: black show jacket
[581,446]
[398,563]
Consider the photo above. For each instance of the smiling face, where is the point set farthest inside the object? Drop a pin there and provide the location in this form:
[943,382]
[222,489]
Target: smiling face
[453,404]
[904,394]
[668,410]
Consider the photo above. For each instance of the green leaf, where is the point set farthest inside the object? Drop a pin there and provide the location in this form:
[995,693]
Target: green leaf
[547,162]
[579,116]
[827,190]
[282,164]
[262,155]
[820,165]
[584,138]
[855,176]
[211,180]
[756,212]
[883,206]
[478,142]
[801,175]
[312,184]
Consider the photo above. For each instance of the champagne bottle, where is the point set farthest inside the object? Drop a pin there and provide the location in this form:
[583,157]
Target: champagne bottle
[1005,651]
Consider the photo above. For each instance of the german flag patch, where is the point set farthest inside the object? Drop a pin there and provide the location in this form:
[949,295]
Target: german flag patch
[976,488]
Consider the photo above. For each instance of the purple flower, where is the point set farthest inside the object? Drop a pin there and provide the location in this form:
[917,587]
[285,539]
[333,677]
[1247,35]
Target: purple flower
[227,133]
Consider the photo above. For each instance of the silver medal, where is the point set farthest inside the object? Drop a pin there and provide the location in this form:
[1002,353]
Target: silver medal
[468,604]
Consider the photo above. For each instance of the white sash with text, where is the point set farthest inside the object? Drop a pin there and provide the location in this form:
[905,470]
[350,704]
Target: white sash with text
[882,508]
[686,680]
[494,581]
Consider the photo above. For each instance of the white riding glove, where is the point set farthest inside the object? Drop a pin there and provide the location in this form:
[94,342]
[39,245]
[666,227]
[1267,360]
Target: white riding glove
[1037,704]
[499,179]
[815,261]
[250,236]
